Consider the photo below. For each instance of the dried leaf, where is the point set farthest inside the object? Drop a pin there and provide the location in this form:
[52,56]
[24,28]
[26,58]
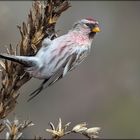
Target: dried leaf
[32,34]
[2,64]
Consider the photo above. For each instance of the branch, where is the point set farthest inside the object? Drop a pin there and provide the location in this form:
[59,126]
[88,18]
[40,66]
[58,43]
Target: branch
[14,130]
[41,23]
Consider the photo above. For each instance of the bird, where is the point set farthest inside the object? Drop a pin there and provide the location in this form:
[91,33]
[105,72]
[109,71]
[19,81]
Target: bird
[57,57]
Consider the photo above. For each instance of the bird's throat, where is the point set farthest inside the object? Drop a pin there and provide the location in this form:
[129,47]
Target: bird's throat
[91,35]
[80,38]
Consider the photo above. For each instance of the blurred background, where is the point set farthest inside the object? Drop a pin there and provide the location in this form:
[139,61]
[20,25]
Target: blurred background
[104,91]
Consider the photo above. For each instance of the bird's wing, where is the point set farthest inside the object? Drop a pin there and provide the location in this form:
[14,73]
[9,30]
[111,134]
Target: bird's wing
[69,64]
[58,75]
[45,44]
[67,67]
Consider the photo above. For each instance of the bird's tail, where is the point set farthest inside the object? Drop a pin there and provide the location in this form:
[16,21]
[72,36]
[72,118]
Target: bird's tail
[24,60]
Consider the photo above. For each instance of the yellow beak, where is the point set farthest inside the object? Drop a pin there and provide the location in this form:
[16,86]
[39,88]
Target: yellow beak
[96,29]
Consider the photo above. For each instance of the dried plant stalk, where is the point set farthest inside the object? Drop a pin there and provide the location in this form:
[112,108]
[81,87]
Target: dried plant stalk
[40,24]
[62,130]
[14,130]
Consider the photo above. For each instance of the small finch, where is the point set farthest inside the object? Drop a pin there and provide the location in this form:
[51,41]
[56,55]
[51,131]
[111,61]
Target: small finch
[59,56]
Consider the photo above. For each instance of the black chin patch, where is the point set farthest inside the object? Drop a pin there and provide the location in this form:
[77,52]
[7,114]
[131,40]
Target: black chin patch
[91,35]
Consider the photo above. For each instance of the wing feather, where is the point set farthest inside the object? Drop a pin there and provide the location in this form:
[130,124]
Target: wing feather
[57,76]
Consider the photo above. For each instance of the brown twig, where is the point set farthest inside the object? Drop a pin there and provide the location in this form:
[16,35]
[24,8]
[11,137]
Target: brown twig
[40,24]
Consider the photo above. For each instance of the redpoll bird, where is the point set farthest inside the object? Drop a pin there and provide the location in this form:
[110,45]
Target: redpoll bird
[57,57]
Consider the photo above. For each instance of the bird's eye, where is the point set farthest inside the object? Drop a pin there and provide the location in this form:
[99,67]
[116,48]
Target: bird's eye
[90,25]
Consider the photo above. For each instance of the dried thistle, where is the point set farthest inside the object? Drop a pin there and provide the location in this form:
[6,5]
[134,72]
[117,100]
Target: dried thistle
[90,133]
[80,127]
[60,131]
[15,129]
[40,24]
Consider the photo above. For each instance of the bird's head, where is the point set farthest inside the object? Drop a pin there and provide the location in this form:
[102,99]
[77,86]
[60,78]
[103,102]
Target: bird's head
[87,26]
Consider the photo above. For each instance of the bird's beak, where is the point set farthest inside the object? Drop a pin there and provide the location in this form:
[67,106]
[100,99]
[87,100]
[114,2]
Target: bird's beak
[96,29]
